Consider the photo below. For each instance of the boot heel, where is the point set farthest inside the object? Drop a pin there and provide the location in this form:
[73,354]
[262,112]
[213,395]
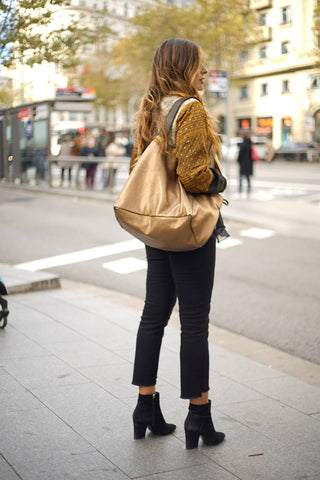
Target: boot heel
[192,440]
[139,430]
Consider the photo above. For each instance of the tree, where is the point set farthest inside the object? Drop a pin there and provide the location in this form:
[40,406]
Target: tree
[221,27]
[6,97]
[29,34]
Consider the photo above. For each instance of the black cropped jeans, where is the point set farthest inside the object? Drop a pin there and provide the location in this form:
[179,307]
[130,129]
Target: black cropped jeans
[189,277]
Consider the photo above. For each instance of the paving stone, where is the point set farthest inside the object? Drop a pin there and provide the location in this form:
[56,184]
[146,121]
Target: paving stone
[290,391]
[127,353]
[169,366]
[14,396]
[38,371]
[76,421]
[42,327]
[275,463]
[37,435]
[88,409]
[152,455]
[266,410]
[237,367]
[6,472]
[120,315]
[284,425]
[115,378]
[228,391]
[84,354]
[70,466]
[14,344]
[106,423]
[208,471]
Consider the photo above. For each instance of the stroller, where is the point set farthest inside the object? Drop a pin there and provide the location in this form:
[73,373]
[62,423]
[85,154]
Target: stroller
[4,312]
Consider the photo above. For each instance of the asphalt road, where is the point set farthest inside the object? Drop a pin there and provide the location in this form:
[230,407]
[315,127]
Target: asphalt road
[267,278]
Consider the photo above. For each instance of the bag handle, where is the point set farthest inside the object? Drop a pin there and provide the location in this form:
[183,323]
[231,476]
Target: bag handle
[173,112]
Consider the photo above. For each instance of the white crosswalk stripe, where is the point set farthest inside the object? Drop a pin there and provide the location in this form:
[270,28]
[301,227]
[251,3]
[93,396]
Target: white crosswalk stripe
[257,233]
[126,265]
[81,255]
[229,242]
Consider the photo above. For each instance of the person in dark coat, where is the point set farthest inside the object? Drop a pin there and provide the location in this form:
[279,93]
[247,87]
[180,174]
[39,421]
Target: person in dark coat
[245,161]
[89,150]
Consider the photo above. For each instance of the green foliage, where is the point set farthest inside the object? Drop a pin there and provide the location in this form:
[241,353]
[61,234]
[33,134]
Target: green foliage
[221,27]
[27,33]
[6,98]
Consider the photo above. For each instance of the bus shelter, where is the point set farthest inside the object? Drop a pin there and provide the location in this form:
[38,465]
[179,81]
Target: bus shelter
[26,136]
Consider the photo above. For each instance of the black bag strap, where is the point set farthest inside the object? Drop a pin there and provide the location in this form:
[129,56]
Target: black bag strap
[173,112]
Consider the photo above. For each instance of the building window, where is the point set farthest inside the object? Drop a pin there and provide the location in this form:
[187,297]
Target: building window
[264,90]
[125,10]
[263,52]
[285,86]
[244,92]
[82,3]
[285,47]
[285,16]
[262,19]
[314,82]
[244,55]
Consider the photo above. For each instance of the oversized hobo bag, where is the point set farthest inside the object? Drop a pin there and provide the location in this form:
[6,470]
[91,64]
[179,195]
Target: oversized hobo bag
[155,207]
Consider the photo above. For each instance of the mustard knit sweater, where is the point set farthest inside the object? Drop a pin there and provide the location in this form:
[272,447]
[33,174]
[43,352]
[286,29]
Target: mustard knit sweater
[193,160]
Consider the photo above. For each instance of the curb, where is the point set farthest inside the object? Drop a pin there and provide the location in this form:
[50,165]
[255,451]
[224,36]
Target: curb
[22,281]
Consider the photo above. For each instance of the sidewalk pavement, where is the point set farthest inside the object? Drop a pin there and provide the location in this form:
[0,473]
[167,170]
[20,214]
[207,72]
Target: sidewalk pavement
[66,397]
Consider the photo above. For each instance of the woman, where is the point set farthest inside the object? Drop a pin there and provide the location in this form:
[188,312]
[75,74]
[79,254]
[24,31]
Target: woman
[178,71]
[245,161]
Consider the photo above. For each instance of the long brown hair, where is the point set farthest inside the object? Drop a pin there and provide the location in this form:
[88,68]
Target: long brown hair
[174,68]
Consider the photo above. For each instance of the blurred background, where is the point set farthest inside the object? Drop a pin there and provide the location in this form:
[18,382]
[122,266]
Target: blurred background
[71,78]
[80,67]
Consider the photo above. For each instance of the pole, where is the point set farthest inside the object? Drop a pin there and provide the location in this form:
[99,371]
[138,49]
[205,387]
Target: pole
[227,125]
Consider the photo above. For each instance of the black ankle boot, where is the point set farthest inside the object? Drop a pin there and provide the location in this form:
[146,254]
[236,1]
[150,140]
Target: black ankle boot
[199,423]
[148,414]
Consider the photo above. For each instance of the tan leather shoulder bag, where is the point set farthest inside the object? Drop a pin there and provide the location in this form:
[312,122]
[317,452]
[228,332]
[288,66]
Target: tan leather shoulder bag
[155,207]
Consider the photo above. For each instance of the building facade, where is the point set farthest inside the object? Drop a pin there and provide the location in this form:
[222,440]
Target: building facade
[276,88]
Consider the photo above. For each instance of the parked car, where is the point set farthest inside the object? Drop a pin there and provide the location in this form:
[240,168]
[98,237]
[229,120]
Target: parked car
[298,151]
[262,145]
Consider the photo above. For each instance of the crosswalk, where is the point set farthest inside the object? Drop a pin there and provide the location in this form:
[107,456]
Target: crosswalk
[127,264]
[267,191]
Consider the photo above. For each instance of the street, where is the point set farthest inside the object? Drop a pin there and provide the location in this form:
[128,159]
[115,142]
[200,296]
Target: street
[267,272]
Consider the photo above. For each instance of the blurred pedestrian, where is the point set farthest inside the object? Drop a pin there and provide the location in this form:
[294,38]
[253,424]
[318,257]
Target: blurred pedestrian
[66,151]
[112,151]
[178,71]
[89,150]
[76,149]
[245,160]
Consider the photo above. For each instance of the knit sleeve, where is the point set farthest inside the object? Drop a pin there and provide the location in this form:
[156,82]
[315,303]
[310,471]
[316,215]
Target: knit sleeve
[193,159]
